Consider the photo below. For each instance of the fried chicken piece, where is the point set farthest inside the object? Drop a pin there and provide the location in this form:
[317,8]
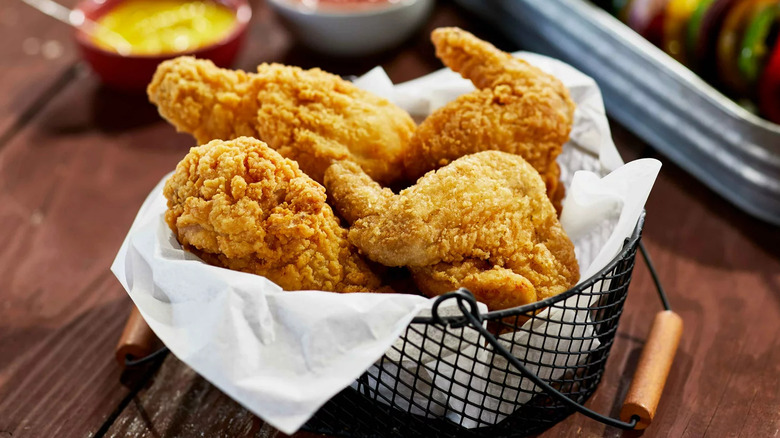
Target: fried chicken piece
[517,109]
[310,116]
[240,205]
[483,222]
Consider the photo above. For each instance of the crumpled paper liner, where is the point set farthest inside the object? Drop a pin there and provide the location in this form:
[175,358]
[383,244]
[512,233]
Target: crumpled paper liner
[283,355]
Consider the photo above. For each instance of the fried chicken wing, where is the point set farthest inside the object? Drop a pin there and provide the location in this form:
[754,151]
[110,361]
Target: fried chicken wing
[310,116]
[483,222]
[516,108]
[240,205]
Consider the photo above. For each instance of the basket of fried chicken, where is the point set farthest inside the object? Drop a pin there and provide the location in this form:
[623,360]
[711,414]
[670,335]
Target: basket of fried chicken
[333,254]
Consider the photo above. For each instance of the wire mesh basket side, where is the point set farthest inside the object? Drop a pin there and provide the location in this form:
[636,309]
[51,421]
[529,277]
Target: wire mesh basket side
[441,378]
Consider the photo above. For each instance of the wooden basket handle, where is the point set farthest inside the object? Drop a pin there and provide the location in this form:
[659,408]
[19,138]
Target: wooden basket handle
[137,339]
[653,369]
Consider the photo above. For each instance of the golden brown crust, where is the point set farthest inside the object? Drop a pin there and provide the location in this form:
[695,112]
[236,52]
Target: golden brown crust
[483,222]
[555,189]
[203,100]
[517,109]
[310,116]
[499,287]
[240,205]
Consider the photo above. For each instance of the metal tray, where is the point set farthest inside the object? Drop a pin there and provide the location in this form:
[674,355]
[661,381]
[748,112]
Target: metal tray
[734,152]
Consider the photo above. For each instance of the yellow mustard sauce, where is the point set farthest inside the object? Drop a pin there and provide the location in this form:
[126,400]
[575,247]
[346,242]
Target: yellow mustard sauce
[156,27]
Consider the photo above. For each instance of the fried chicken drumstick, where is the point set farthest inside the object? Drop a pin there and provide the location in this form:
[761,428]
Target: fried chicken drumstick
[240,205]
[483,222]
[310,116]
[516,108]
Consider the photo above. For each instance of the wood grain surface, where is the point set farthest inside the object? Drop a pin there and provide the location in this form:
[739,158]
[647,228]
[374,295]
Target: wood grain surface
[77,159]
[37,57]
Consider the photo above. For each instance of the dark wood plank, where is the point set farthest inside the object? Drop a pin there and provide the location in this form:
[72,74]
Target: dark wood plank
[65,384]
[177,402]
[36,56]
[71,182]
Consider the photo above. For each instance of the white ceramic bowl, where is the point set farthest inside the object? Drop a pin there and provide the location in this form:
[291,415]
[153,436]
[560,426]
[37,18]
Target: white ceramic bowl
[354,31]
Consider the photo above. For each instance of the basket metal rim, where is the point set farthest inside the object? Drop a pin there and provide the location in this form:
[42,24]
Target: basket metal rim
[514,311]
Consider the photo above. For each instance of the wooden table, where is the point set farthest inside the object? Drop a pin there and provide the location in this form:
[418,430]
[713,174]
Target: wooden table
[77,159]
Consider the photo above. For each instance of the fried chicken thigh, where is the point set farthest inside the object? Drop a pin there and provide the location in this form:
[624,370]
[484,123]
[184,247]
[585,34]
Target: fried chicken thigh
[483,222]
[240,205]
[310,116]
[517,108]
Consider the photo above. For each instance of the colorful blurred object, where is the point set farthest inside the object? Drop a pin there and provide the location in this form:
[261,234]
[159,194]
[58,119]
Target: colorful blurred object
[769,87]
[728,42]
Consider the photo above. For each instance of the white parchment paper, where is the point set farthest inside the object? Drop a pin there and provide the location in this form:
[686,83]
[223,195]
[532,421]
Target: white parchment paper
[282,355]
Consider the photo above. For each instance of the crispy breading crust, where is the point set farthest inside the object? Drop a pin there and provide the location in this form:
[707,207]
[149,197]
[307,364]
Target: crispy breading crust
[240,205]
[517,109]
[310,116]
[483,222]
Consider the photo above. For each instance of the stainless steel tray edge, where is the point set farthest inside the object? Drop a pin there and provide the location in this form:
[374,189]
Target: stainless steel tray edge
[732,151]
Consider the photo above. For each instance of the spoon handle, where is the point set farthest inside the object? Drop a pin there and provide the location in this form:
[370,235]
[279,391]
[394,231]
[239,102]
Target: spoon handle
[57,11]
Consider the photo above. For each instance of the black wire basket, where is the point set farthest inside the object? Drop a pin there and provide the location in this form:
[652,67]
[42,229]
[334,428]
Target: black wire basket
[433,381]
[459,372]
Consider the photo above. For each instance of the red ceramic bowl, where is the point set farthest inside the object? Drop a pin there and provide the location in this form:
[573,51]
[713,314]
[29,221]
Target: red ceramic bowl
[133,72]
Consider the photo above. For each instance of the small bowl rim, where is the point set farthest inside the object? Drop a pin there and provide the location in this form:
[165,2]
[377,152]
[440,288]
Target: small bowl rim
[373,10]
[241,10]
